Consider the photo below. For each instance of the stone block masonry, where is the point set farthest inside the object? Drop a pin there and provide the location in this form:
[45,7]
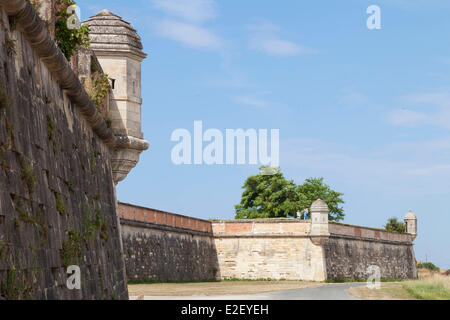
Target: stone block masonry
[161,246]
[267,249]
[351,250]
[291,249]
[57,181]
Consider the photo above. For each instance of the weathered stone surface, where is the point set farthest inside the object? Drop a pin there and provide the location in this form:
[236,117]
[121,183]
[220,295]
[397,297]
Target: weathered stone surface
[57,198]
[164,253]
[258,249]
[350,258]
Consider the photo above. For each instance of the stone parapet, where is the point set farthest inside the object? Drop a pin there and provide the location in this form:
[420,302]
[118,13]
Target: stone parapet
[36,33]
[358,232]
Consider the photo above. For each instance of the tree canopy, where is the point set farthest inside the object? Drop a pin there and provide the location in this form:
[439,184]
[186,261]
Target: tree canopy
[272,196]
[393,225]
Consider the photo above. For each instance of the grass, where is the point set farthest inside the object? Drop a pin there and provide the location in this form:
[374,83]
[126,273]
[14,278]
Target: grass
[431,286]
[436,287]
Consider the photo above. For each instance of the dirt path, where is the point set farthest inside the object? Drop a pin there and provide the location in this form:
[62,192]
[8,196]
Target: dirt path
[216,288]
[318,292]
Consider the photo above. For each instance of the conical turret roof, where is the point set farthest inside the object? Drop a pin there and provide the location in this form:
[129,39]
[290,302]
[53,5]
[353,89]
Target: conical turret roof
[110,34]
[410,215]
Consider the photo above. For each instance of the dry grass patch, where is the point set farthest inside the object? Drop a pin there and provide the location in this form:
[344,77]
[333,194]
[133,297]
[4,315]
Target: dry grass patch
[388,291]
[436,287]
[429,286]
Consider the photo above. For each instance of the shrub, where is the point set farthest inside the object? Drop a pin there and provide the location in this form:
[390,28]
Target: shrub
[428,265]
[393,225]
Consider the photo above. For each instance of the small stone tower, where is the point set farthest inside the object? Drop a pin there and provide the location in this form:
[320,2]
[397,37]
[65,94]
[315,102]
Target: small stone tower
[319,222]
[411,224]
[118,48]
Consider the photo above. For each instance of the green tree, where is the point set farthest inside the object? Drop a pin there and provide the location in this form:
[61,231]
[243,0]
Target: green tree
[313,189]
[271,196]
[267,196]
[393,225]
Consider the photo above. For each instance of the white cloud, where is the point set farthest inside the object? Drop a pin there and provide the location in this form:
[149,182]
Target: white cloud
[184,22]
[188,34]
[251,101]
[401,168]
[277,47]
[433,109]
[188,10]
[264,37]
[407,118]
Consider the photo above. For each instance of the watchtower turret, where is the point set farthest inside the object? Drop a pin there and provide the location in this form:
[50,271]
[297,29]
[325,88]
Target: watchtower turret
[118,49]
[411,224]
[319,222]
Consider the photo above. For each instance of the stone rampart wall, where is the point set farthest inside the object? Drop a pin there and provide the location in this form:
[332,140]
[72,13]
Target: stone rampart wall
[57,195]
[257,249]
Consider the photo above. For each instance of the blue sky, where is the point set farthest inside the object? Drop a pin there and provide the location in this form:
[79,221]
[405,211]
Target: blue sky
[368,110]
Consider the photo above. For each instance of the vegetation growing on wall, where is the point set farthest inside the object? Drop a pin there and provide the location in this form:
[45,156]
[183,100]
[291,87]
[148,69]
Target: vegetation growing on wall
[27,174]
[99,89]
[51,133]
[71,249]
[69,39]
[11,288]
[60,207]
[92,221]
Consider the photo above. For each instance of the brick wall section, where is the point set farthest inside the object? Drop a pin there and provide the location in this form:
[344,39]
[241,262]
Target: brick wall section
[260,227]
[162,218]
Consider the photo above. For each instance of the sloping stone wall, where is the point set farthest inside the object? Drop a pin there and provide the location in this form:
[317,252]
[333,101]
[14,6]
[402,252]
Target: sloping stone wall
[57,198]
[162,253]
[161,246]
[350,250]
[350,259]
